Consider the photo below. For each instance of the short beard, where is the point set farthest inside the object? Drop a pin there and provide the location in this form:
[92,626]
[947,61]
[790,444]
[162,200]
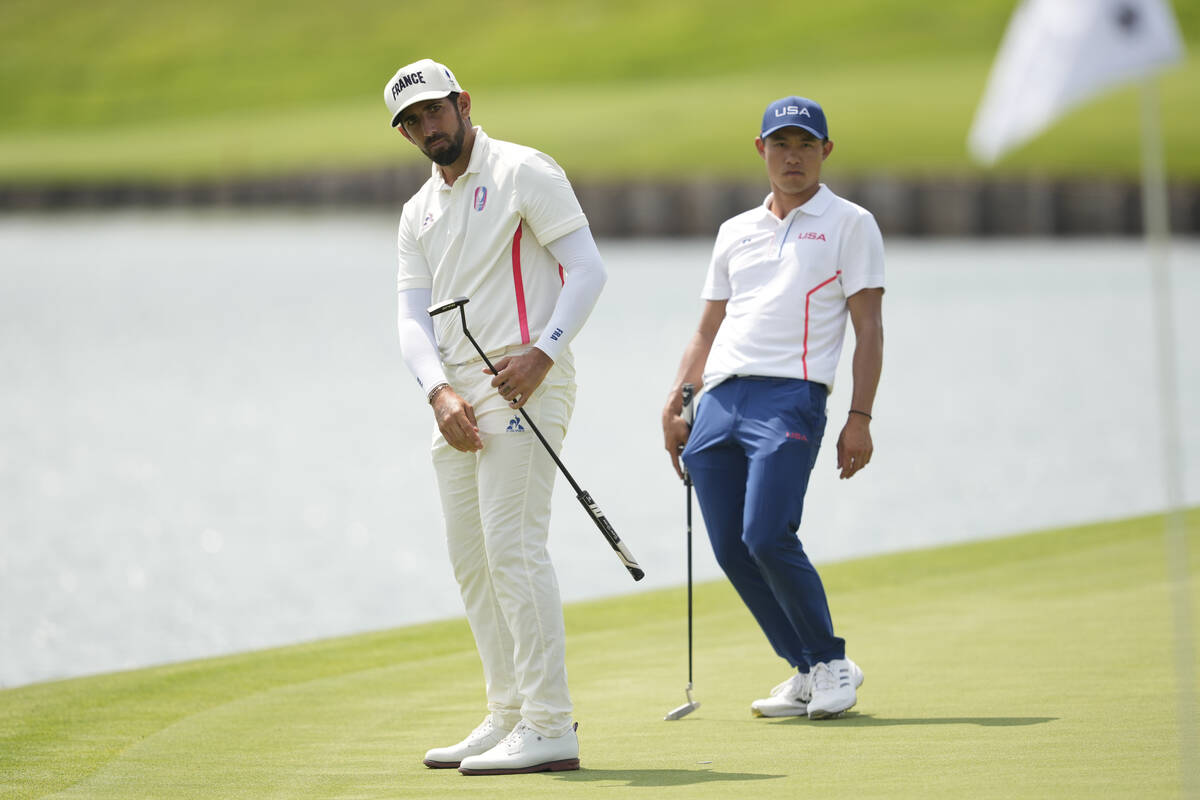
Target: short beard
[451,153]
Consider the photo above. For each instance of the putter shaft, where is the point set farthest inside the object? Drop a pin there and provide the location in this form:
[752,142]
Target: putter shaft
[585,499]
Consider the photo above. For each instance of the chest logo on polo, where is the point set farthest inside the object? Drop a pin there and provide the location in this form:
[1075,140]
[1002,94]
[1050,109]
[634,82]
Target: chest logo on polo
[820,237]
[425,223]
[480,198]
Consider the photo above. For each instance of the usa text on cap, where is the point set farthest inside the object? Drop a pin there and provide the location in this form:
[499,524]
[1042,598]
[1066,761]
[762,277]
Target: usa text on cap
[421,80]
[797,112]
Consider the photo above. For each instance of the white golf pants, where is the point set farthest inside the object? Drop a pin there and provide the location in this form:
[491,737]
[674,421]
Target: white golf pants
[496,504]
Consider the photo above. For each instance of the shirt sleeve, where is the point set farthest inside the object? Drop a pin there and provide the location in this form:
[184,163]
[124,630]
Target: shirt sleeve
[418,346]
[585,277]
[413,271]
[716,284]
[862,255]
[546,200]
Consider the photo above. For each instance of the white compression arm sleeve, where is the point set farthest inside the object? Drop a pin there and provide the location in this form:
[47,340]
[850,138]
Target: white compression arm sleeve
[585,277]
[417,344]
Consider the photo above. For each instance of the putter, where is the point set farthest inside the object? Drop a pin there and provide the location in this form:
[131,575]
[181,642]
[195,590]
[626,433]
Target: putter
[691,705]
[585,499]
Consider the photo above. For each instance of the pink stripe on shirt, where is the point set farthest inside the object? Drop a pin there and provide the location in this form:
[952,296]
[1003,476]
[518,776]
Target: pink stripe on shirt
[519,285]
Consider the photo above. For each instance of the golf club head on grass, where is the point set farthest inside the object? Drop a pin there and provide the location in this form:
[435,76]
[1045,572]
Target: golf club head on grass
[447,305]
[685,709]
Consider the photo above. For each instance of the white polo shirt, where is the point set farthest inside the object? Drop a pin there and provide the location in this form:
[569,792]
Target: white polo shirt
[786,282]
[484,238]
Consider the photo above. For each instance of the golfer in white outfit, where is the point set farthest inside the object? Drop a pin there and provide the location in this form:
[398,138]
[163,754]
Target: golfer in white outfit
[498,223]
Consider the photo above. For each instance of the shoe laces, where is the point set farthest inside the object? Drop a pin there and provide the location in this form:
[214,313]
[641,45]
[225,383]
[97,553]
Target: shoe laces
[516,737]
[793,686]
[482,730]
[825,679]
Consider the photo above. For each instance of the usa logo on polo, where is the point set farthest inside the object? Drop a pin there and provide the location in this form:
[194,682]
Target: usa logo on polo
[480,198]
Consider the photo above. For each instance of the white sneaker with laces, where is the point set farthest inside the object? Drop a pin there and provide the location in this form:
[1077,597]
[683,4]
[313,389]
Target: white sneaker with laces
[485,736]
[788,699]
[526,750]
[792,697]
[834,685]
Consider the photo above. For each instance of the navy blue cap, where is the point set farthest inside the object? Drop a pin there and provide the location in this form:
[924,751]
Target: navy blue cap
[795,111]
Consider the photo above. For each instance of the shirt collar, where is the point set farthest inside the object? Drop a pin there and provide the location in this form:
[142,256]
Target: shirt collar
[816,205]
[819,202]
[479,154]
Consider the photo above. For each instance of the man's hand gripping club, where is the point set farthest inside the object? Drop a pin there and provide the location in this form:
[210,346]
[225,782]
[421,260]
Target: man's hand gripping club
[518,377]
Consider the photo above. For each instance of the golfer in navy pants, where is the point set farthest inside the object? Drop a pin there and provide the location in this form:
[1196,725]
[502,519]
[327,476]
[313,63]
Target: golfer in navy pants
[753,446]
[784,279]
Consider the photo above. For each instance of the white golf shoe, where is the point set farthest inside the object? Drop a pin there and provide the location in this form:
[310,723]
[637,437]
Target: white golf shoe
[526,750]
[788,699]
[834,688]
[792,697]
[485,736]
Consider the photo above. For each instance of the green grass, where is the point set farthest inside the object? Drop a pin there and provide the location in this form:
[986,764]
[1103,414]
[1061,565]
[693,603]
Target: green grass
[1033,666]
[169,91]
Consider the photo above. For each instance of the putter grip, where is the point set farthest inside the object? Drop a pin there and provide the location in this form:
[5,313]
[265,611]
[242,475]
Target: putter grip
[688,413]
[606,528]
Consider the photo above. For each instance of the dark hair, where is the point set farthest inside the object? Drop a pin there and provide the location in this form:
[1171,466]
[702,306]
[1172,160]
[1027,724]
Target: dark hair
[453,98]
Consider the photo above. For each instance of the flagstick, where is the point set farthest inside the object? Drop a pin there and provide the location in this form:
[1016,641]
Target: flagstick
[1156,224]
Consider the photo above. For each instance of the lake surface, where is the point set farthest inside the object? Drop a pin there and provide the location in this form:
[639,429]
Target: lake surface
[209,442]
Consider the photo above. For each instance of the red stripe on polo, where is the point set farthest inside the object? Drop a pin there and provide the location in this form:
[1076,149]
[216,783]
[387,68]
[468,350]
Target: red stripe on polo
[519,285]
[807,298]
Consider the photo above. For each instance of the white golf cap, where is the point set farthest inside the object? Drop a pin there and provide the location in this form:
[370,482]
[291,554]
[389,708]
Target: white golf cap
[421,80]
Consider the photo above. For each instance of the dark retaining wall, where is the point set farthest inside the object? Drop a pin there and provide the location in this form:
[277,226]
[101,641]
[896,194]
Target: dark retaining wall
[904,206]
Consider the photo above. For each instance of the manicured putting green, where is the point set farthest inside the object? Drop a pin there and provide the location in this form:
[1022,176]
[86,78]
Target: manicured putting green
[1035,666]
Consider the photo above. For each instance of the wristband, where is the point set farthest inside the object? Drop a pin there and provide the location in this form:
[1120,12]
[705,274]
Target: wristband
[435,390]
[856,411]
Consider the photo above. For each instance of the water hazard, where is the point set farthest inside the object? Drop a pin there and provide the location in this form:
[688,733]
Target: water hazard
[209,443]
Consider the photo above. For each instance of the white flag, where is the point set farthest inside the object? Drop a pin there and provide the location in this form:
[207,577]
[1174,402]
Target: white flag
[1058,53]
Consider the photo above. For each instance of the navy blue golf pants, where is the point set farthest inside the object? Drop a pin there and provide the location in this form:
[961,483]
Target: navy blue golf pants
[751,449]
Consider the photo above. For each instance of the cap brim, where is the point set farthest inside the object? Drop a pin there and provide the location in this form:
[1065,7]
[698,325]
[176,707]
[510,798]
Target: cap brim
[436,95]
[813,131]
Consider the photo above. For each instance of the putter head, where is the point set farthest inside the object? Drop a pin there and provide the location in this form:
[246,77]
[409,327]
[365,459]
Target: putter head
[447,305]
[685,709]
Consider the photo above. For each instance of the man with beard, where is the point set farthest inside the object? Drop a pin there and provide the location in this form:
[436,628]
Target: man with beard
[498,223]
